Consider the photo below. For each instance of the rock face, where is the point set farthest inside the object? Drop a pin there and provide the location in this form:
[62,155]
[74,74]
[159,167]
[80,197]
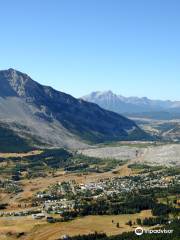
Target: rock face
[120,104]
[57,119]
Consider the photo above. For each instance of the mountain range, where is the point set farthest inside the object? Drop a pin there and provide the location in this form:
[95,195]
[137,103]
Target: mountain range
[134,106]
[43,116]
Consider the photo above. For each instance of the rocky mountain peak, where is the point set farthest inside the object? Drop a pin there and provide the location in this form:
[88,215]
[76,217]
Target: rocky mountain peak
[15,83]
[40,105]
[123,105]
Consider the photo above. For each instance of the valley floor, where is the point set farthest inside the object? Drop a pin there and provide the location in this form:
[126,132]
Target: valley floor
[137,153]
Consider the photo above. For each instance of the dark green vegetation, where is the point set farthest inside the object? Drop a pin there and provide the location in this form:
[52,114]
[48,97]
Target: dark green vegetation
[113,206]
[11,142]
[36,165]
[51,160]
[131,235]
[173,171]
[54,158]
[152,221]
[82,163]
[128,204]
[144,168]
[3,206]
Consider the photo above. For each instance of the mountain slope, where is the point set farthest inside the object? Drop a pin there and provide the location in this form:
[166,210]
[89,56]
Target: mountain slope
[133,105]
[11,142]
[55,118]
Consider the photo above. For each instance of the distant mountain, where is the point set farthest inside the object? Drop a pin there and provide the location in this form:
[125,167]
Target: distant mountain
[134,106]
[44,116]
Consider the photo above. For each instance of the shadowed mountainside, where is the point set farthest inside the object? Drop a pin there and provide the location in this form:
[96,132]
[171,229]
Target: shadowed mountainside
[58,119]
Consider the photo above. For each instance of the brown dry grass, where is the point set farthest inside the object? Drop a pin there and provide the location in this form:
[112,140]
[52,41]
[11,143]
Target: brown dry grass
[6,155]
[17,224]
[40,230]
[87,225]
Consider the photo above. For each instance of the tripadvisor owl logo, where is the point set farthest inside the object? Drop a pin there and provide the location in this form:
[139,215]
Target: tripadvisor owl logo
[138,231]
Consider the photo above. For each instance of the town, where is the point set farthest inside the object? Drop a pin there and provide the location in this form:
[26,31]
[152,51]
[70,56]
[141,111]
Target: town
[66,197]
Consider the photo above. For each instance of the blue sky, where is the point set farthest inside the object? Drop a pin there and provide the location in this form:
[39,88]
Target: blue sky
[78,46]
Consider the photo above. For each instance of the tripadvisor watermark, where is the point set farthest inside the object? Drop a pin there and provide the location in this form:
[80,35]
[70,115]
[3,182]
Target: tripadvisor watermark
[139,231]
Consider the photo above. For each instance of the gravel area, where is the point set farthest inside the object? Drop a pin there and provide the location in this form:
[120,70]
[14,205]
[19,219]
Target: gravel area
[122,153]
[168,154]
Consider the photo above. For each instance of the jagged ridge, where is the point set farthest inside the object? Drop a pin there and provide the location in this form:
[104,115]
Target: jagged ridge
[58,118]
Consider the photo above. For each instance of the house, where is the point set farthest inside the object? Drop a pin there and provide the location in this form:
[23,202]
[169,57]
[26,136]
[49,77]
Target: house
[38,216]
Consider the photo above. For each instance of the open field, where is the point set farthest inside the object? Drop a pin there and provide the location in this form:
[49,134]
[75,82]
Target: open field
[7,155]
[40,230]
[17,224]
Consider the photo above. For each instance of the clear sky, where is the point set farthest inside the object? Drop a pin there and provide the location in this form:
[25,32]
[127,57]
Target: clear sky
[131,47]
